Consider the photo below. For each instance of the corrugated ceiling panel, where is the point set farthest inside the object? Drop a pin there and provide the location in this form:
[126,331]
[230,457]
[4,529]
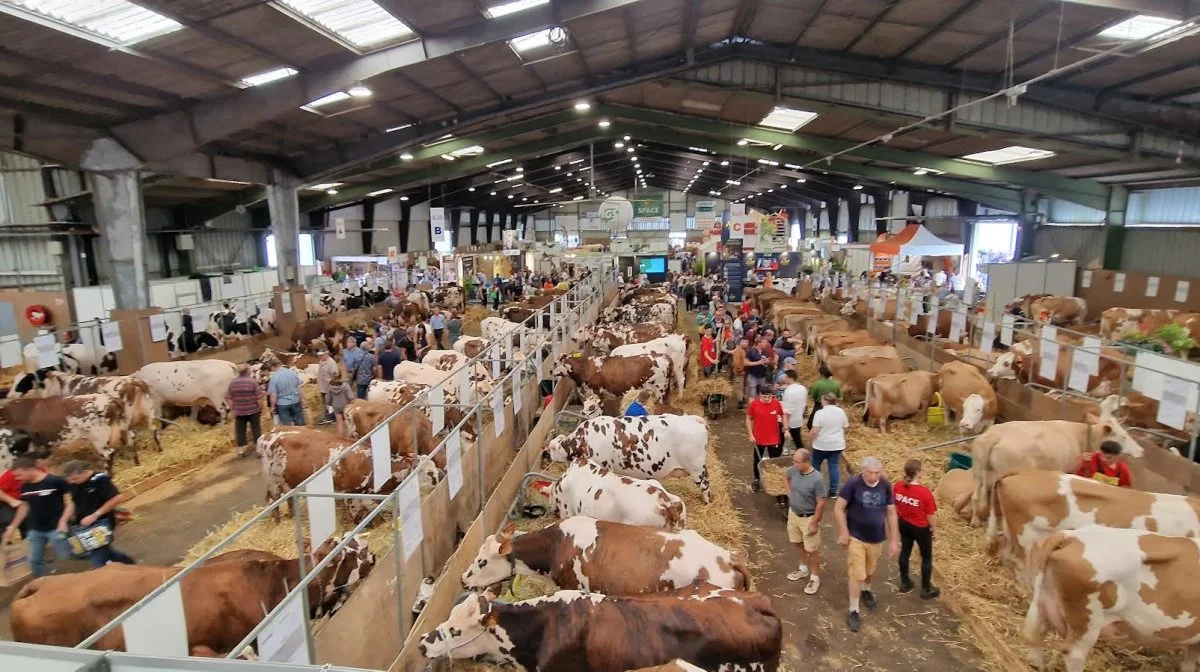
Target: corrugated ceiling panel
[21,190]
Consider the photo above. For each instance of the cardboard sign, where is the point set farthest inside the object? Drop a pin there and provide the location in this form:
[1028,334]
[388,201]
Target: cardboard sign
[410,515]
[1181,291]
[47,351]
[1086,280]
[931,325]
[159,627]
[286,300]
[437,411]
[381,455]
[1079,374]
[1049,346]
[1006,329]
[1152,286]
[1119,283]
[958,324]
[465,393]
[516,388]
[1172,408]
[283,640]
[322,513]
[111,333]
[915,313]
[158,328]
[454,473]
[988,338]
[498,409]
[339,227]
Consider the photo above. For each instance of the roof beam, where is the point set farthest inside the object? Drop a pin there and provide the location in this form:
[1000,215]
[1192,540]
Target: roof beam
[39,67]
[1079,191]
[180,131]
[1152,75]
[1024,21]
[1171,9]
[871,26]
[945,23]
[1072,42]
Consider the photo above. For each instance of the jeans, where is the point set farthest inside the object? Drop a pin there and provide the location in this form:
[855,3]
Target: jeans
[709,369]
[834,457]
[924,538]
[241,422]
[290,414]
[437,337]
[102,556]
[362,389]
[37,549]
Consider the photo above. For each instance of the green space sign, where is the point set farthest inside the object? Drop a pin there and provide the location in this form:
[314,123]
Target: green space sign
[649,206]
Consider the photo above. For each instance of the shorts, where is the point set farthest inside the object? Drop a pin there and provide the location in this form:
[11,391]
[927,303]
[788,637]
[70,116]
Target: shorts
[861,559]
[797,530]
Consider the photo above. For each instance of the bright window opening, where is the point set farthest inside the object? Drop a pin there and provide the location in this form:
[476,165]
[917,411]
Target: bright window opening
[991,243]
[532,41]
[268,77]
[308,256]
[113,23]
[787,119]
[512,7]
[360,23]
[1013,154]
[1139,27]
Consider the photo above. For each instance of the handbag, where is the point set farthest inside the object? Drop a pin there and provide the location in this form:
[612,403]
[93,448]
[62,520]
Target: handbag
[14,564]
[84,540]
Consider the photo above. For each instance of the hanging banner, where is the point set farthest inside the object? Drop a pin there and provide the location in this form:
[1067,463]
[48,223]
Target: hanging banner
[339,227]
[737,221]
[591,221]
[772,231]
[512,246]
[437,226]
[648,206]
[616,213]
[678,222]
[706,215]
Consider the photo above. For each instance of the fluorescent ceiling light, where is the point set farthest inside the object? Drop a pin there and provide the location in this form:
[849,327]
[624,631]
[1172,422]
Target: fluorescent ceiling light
[619,145]
[768,162]
[492,193]
[512,7]
[520,169]
[733,182]
[361,23]
[792,166]
[335,97]
[473,150]
[470,188]
[404,198]
[401,127]
[268,77]
[1139,27]
[556,190]
[699,149]
[577,198]
[514,178]
[501,162]
[787,119]
[700,105]
[113,23]
[724,163]
[380,192]
[510,196]
[801,180]
[1013,154]
[858,187]
[604,123]
[575,162]
[558,167]
[743,142]
[325,186]
[583,106]
[448,157]
[359,91]
[406,157]
[531,41]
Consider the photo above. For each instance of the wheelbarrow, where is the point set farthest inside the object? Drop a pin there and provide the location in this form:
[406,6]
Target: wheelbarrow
[714,406]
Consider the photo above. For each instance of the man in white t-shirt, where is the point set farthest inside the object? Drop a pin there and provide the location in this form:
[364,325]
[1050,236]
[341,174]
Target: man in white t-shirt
[794,399]
[828,438]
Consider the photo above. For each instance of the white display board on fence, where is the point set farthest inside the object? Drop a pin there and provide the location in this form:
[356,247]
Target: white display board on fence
[437,410]
[454,473]
[283,640]
[988,337]
[322,511]
[381,455]
[1049,346]
[411,531]
[159,627]
[1148,375]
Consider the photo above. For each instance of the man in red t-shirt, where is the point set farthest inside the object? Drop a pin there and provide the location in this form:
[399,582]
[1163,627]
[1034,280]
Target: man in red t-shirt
[1106,466]
[763,418]
[708,352]
[10,487]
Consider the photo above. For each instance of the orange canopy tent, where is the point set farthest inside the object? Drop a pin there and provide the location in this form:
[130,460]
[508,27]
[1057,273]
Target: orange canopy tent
[915,241]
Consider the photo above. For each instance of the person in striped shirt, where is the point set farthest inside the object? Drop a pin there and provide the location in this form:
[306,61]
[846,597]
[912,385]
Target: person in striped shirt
[245,400]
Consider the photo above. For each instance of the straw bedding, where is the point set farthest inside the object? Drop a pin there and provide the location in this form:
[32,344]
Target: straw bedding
[472,316]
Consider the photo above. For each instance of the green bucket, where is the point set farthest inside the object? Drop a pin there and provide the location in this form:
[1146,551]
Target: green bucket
[959,461]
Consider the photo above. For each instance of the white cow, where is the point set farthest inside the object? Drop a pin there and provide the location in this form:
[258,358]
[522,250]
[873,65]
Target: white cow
[491,328]
[653,446]
[452,360]
[416,372]
[191,383]
[590,490]
[75,358]
[674,346]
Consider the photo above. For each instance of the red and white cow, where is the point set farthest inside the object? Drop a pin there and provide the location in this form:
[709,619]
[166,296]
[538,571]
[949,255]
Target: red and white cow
[586,489]
[452,360]
[654,446]
[196,383]
[141,408]
[95,420]
[968,396]
[1100,578]
[733,631]
[617,375]
[674,346]
[608,336]
[416,372]
[610,558]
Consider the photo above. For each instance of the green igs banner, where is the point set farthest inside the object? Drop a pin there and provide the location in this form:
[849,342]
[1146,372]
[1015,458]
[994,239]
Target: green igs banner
[649,206]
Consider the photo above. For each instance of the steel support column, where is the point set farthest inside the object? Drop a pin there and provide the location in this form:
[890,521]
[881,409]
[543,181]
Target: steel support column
[1114,227]
[475,226]
[284,205]
[1027,221]
[854,209]
[117,195]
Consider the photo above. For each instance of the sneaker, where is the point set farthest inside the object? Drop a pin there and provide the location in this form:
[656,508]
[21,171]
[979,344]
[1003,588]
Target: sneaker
[755,485]
[813,584]
[799,574]
[854,621]
[930,592]
[906,584]
[868,599]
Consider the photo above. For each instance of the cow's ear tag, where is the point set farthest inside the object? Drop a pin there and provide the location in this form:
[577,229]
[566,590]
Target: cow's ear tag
[577,354]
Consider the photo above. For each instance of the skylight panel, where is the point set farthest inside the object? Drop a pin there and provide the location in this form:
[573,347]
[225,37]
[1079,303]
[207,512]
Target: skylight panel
[531,41]
[1139,27]
[1013,154]
[360,23]
[512,7]
[335,97]
[268,77]
[113,23]
[787,119]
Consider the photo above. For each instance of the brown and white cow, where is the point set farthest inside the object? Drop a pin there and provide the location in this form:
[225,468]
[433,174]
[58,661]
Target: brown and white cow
[674,346]
[654,446]
[409,434]
[198,383]
[813,327]
[968,396]
[830,343]
[861,351]
[1138,583]
[1029,505]
[1055,310]
[1117,323]
[605,557]
[480,380]
[223,599]
[854,373]
[453,360]
[898,395]
[324,331]
[95,420]
[291,454]
[732,631]
[942,328]
[956,491]
[587,489]
[677,665]
[663,310]
[617,375]
[401,393]
[606,337]
[450,296]
[140,406]
[1041,444]
[470,346]
[1025,359]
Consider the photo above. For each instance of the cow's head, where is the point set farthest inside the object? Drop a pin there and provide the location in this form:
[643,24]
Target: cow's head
[848,307]
[1108,428]
[972,413]
[337,580]
[565,365]
[470,630]
[559,448]
[424,592]
[492,564]
[592,407]
[1005,366]
[30,382]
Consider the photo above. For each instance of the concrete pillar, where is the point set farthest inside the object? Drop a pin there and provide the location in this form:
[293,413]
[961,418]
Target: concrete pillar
[1027,221]
[1114,227]
[284,206]
[117,194]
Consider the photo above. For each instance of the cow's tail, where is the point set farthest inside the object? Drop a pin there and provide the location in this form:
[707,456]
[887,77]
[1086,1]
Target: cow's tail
[867,400]
[1044,610]
[994,521]
[738,561]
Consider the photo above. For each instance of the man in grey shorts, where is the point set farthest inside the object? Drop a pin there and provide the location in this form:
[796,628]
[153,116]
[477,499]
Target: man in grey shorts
[806,506]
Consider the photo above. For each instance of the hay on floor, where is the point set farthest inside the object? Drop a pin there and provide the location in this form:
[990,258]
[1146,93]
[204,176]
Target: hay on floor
[472,316]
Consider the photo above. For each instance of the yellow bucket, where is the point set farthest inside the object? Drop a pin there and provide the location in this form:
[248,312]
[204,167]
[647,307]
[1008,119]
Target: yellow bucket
[936,414]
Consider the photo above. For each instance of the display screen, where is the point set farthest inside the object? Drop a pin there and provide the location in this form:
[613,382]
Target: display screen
[653,265]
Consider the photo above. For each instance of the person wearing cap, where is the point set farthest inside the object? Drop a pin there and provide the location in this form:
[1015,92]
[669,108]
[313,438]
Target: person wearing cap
[1105,466]
[763,417]
[245,400]
[789,364]
[785,345]
[637,407]
[327,368]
